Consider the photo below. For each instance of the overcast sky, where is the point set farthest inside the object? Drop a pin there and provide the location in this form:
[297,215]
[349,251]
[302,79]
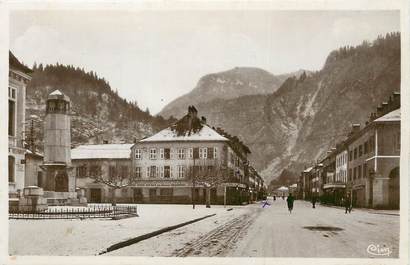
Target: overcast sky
[155,56]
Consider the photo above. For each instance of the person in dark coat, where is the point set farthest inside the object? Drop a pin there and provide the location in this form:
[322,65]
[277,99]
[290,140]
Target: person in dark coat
[348,206]
[274,197]
[313,202]
[290,200]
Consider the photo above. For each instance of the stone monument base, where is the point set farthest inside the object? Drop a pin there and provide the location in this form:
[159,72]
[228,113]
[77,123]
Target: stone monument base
[32,200]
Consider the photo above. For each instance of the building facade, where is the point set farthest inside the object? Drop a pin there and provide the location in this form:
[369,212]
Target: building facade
[374,162]
[19,76]
[366,165]
[175,165]
[109,161]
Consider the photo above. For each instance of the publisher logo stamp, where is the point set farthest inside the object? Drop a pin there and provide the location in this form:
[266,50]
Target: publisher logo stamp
[379,250]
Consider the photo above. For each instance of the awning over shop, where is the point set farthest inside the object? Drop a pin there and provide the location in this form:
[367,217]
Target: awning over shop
[334,186]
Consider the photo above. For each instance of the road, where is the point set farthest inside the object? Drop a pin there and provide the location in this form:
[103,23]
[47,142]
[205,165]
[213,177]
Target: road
[273,232]
[320,232]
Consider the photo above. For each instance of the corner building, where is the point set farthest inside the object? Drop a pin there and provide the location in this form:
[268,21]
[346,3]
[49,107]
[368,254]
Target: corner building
[166,165]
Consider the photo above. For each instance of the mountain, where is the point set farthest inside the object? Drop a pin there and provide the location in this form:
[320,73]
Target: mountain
[98,112]
[309,114]
[240,81]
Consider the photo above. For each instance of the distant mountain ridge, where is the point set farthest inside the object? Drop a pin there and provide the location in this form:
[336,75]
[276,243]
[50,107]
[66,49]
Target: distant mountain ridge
[234,83]
[308,114]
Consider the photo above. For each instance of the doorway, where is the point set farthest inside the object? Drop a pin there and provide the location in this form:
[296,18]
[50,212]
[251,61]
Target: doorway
[394,188]
[95,195]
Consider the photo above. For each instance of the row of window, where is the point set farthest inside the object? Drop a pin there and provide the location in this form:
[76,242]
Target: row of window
[167,171]
[57,105]
[358,172]
[95,171]
[181,153]
[362,149]
[161,172]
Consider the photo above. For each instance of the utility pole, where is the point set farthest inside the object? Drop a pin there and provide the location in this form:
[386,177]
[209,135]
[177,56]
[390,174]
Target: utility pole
[193,182]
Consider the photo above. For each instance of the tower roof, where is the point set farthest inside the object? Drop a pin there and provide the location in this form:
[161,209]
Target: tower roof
[57,94]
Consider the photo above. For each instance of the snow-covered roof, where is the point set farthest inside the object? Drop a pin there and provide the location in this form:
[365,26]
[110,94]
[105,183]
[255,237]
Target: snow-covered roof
[283,188]
[308,170]
[102,151]
[205,134]
[56,93]
[394,115]
[294,185]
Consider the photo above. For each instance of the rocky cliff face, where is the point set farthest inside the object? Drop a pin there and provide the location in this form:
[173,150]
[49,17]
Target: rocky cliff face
[234,83]
[308,114]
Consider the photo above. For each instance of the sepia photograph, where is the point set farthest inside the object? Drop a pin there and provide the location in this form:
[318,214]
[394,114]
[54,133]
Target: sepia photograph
[236,133]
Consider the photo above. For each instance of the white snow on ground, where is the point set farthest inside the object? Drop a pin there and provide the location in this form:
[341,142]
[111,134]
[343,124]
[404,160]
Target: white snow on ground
[276,233]
[265,232]
[90,236]
[165,244]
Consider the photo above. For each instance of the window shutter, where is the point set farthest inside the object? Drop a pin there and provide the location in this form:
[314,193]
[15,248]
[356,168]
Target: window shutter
[157,171]
[196,153]
[215,152]
[210,153]
[162,172]
[161,153]
[170,172]
[191,152]
[148,171]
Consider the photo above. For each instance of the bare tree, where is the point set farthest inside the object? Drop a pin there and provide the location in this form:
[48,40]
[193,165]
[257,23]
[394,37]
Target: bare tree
[117,176]
[208,175]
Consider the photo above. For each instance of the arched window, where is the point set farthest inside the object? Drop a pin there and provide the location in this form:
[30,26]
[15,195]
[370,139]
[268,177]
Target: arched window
[11,168]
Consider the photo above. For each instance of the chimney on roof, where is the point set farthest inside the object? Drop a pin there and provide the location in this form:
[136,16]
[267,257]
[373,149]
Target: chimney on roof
[203,119]
[385,107]
[192,111]
[135,140]
[395,101]
[379,111]
[355,128]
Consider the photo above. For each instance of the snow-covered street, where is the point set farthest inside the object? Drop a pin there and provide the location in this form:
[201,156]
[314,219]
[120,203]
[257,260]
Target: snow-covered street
[273,232]
[244,231]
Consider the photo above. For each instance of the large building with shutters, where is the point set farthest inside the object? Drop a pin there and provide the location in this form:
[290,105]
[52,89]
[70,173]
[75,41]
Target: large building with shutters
[168,165]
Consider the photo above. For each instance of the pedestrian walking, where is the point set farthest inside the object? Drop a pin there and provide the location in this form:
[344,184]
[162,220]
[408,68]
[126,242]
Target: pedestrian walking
[274,197]
[314,202]
[348,205]
[290,200]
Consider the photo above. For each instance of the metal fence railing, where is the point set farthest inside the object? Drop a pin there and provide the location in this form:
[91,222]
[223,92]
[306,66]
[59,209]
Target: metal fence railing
[65,212]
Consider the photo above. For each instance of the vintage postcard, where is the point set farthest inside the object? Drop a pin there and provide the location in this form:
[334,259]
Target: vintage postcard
[159,132]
